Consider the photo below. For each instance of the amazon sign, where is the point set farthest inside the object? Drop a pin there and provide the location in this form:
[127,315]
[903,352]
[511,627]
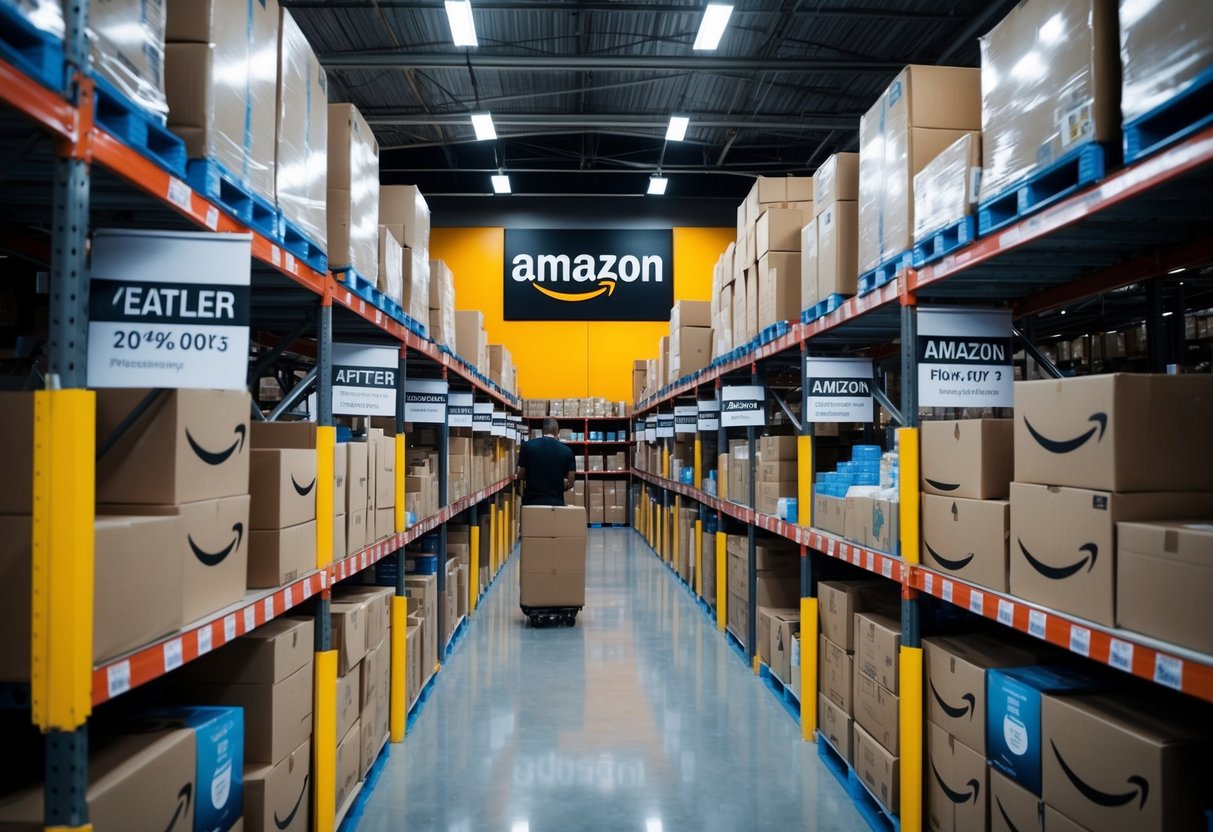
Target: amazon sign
[588,275]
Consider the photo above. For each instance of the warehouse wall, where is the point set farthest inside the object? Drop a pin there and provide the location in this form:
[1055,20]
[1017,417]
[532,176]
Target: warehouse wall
[560,359]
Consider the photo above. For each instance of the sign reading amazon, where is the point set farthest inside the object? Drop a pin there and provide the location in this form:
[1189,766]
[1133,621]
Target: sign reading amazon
[588,275]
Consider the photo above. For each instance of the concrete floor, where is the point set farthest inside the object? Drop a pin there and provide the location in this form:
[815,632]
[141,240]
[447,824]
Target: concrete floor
[639,718]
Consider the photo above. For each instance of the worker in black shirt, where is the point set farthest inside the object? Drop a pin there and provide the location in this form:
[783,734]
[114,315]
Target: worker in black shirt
[545,468]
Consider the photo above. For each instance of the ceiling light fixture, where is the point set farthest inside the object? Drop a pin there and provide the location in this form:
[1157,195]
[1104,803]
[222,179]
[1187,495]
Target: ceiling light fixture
[1179,270]
[711,28]
[463,27]
[501,184]
[677,130]
[482,123]
[658,184]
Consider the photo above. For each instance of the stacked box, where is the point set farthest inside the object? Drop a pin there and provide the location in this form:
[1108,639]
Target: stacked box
[282,515]
[301,161]
[442,304]
[777,566]
[945,190]
[222,98]
[877,705]
[422,592]
[403,209]
[1142,457]
[922,112]
[775,472]
[501,364]
[353,193]
[615,509]
[690,339]
[553,556]
[471,342]
[391,265]
[1166,49]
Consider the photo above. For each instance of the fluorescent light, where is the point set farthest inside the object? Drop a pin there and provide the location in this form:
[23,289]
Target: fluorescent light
[677,131]
[711,28]
[482,123]
[1167,314]
[657,185]
[463,28]
[501,184]
[1179,270]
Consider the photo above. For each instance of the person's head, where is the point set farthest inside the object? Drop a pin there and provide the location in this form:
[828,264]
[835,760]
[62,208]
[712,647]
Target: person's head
[551,427]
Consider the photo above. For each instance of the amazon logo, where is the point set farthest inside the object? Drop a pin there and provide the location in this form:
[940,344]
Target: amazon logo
[948,563]
[953,711]
[183,806]
[941,486]
[303,490]
[1065,446]
[958,797]
[218,457]
[1140,787]
[285,823]
[216,558]
[1005,817]
[1060,573]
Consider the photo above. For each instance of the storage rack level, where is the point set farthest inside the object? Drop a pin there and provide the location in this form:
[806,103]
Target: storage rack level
[625,444]
[91,170]
[1069,253]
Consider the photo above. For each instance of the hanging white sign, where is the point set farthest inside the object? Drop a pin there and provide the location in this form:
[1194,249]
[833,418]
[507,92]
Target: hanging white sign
[425,401]
[839,389]
[743,406]
[459,411]
[650,429]
[500,423]
[709,415]
[665,425]
[364,380]
[482,417]
[964,357]
[686,418]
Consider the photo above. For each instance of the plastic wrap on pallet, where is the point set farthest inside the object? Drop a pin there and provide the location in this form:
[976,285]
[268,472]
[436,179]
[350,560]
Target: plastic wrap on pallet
[808,264]
[416,295]
[403,209]
[353,193]
[946,189]
[1165,47]
[301,180]
[1050,82]
[836,179]
[126,49]
[222,85]
[391,265]
[46,15]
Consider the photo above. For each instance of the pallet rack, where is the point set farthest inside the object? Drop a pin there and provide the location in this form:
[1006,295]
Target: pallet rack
[86,171]
[627,444]
[1134,226]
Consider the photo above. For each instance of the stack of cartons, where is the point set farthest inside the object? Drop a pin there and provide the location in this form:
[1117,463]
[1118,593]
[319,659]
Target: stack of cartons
[775,472]
[442,304]
[350,621]
[640,382]
[421,480]
[707,581]
[374,671]
[876,741]
[553,556]
[403,210]
[301,161]
[922,112]
[459,463]
[282,517]
[829,243]
[686,543]
[690,344]
[357,484]
[777,567]
[595,497]
[775,628]
[775,238]
[501,364]
[945,191]
[451,600]
[391,264]
[1144,456]
[381,451]
[267,673]
[738,473]
[422,592]
[353,193]
[966,477]
[471,342]
[614,499]
[663,361]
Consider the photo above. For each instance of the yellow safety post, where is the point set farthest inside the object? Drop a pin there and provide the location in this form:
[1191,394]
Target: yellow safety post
[61,646]
[324,743]
[399,513]
[676,533]
[661,533]
[698,558]
[907,438]
[474,564]
[911,705]
[665,461]
[722,580]
[808,667]
[698,463]
[398,692]
[804,486]
[326,447]
[493,538]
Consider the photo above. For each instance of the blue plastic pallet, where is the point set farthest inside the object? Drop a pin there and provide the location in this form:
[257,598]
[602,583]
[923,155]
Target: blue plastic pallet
[877,817]
[886,272]
[415,710]
[1080,167]
[1174,119]
[773,332]
[138,129]
[737,646]
[37,53]
[781,691]
[219,185]
[822,308]
[945,241]
[294,240]
[456,637]
[360,286]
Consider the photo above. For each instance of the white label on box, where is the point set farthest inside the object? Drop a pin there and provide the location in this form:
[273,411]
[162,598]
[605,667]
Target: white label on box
[928,583]
[500,423]
[840,389]
[269,608]
[482,417]
[1120,655]
[459,410]
[212,217]
[118,678]
[947,591]
[743,405]
[364,380]
[1037,622]
[229,627]
[708,415]
[1169,671]
[173,655]
[169,309]
[964,357]
[179,193]
[204,640]
[250,619]
[686,419]
[1080,640]
[1006,612]
[977,602]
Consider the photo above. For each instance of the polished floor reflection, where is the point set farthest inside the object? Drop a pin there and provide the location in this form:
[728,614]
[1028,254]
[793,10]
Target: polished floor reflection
[639,718]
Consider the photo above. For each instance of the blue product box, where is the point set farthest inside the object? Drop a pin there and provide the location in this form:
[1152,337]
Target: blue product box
[1013,730]
[415,564]
[219,763]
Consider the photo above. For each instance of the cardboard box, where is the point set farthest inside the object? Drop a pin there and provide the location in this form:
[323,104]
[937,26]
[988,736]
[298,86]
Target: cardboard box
[878,769]
[1117,432]
[301,162]
[470,339]
[349,634]
[1063,542]
[829,513]
[1014,701]
[403,209]
[372,740]
[967,538]
[422,592]
[279,556]
[958,794]
[945,190]
[970,458]
[778,229]
[218,760]
[1012,807]
[349,763]
[836,725]
[357,477]
[839,601]
[348,709]
[738,616]
[838,250]
[956,681]
[837,674]
[1055,821]
[353,192]
[767,190]
[378,603]
[690,313]
[877,709]
[276,796]
[189,445]
[357,536]
[553,521]
[836,180]
[1164,574]
[877,644]
[778,288]
[787,625]
[1159,52]
[552,570]
[690,350]
[1120,764]
[270,654]
[809,264]
[768,624]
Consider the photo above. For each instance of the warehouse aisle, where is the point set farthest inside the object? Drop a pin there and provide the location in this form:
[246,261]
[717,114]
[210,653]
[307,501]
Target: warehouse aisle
[640,718]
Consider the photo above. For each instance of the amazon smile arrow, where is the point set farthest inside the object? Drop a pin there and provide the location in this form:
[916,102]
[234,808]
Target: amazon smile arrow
[605,287]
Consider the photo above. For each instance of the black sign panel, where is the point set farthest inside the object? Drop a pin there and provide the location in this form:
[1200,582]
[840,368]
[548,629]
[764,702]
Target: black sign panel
[588,275]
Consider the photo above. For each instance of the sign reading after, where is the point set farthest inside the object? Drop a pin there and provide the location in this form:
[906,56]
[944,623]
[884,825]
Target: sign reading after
[964,357]
[364,380]
[588,275]
[840,389]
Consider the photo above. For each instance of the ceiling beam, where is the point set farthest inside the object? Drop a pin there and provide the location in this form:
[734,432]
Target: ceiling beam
[397,59]
[810,121]
[618,8]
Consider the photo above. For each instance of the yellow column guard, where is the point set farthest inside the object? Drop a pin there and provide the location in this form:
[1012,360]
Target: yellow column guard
[908,488]
[804,486]
[808,667]
[911,735]
[676,529]
[493,537]
[398,694]
[698,463]
[722,581]
[326,446]
[474,571]
[698,558]
[399,514]
[61,604]
[324,743]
